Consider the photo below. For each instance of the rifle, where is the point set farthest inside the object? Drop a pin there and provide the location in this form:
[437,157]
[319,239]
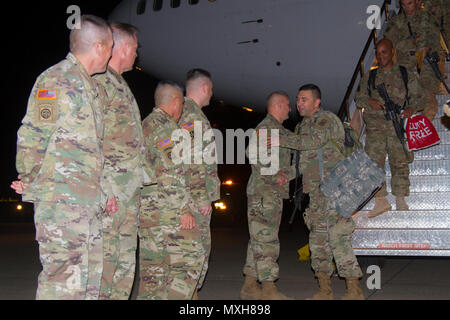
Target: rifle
[391,112]
[433,59]
[298,193]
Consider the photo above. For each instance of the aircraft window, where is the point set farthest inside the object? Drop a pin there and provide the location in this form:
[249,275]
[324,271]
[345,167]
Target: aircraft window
[191,2]
[174,3]
[157,5]
[141,7]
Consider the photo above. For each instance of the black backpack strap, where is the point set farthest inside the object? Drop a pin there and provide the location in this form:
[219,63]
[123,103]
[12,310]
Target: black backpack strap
[371,82]
[405,81]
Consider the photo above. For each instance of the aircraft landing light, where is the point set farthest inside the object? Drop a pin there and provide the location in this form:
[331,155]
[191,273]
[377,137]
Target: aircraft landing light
[228,182]
[220,206]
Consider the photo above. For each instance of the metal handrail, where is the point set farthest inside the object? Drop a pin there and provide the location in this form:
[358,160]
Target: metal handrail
[344,111]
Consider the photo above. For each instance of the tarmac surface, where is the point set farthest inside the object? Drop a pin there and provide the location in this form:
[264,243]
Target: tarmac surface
[402,278]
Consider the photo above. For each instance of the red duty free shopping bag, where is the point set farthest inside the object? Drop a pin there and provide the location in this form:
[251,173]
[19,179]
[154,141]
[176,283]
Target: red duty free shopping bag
[420,133]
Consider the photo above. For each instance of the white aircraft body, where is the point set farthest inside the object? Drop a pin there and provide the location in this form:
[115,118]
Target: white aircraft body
[253,47]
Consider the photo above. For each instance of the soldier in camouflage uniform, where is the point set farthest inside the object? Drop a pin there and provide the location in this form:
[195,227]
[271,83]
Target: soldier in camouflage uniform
[123,151]
[330,233]
[440,10]
[413,31]
[265,195]
[381,138]
[171,250]
[60,164]
[203,180]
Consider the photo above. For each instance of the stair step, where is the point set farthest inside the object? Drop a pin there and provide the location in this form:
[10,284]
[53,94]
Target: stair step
[400,240]
[419,219]
[419,201]
[426,168]
[438,152]
[391,252]
[445,137]
[425,184]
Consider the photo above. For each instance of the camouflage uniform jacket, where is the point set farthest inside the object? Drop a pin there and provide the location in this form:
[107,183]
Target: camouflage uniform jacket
[59,146]
[123,141]
[422,24]
[262,184]
[437,8]
[170,189]
[396,90]
[318,131]
[202,179]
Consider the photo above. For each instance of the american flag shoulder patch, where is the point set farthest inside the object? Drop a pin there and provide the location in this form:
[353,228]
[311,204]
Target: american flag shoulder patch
[164,143]
[188,126]
[46,94]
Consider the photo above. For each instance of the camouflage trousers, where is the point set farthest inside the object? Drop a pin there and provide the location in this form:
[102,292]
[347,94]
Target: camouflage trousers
[428,81]
[170,259]
[70,250]
[204,225]
[431,85]
[264,217]
[119,246]
[330,237]
[384,141]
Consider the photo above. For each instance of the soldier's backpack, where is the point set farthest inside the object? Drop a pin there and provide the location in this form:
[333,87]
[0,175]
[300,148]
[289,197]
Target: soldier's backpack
[353,181]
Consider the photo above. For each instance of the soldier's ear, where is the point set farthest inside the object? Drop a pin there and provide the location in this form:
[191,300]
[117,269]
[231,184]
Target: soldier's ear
[124,49]
[98,47]
[204,88]
[317,103]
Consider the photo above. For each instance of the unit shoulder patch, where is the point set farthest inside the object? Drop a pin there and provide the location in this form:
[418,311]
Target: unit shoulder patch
[322,123]
[47,105]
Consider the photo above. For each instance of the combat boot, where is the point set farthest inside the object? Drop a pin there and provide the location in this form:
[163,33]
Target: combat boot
[354,291]
[250,290]
[381,206]
[270,292]
[325,292]
[400,204]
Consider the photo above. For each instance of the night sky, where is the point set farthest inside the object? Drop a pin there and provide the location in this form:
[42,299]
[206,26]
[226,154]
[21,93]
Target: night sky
[35,37]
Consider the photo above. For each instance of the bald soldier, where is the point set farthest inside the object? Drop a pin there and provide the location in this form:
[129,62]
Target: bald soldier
[381,138]
[414,32]
[123,151]
[171,250]
[265,205]
[60,165]
[202,177]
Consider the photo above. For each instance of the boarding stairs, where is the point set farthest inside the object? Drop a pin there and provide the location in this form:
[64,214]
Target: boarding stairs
[423,230]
